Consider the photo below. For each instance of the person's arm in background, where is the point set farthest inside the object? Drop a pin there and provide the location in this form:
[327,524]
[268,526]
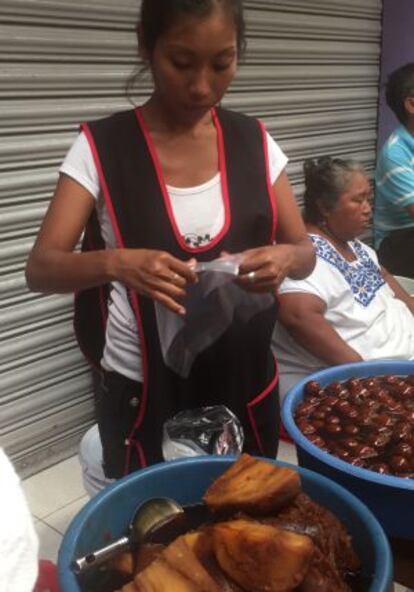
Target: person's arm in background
[398,290]
[396,183]
[302,315]
[292,256]
[291,233]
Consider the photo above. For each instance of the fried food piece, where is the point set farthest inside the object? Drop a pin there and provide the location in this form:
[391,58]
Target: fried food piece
[178,569]
[327,532]
[253,486]
[161,577]
[322,576]
[262,558]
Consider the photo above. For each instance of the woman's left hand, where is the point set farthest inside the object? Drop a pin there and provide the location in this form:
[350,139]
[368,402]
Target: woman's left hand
[263,269]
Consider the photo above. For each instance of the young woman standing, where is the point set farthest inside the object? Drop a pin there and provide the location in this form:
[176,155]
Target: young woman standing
[157,187]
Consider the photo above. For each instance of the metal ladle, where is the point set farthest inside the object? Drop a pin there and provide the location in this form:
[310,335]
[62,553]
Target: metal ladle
[153,513]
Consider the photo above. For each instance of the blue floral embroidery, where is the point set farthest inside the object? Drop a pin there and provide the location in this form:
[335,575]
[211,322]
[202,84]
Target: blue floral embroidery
[364,276]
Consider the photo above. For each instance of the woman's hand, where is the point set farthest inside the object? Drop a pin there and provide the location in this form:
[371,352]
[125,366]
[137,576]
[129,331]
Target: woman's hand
[263,269]
[155,274]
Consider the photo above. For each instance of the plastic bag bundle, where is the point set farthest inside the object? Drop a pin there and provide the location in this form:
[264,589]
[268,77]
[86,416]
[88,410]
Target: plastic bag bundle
[211,306]
[206,430]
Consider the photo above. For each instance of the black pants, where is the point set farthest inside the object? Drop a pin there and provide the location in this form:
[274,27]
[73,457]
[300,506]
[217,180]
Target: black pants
[396,252]
[116,407]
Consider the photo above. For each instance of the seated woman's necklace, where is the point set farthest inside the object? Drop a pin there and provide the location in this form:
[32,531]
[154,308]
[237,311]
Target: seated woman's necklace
[340,245]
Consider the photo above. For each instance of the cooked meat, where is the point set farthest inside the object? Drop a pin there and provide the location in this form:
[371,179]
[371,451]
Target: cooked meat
[161,577]
[178,569]
[253,486]
[322,576]
[305,516]
[261,558]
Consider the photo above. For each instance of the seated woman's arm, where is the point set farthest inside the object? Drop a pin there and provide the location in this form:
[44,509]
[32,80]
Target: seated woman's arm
[303,316]
[398,290]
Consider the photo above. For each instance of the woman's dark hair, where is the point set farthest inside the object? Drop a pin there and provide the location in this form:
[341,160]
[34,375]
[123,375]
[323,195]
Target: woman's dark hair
[157,16]
[326,179]
[400,86]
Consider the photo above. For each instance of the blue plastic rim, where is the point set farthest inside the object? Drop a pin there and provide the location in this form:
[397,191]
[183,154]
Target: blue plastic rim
[338,374]
[106,516]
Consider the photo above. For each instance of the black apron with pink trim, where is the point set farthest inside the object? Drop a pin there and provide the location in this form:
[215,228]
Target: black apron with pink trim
[238,370]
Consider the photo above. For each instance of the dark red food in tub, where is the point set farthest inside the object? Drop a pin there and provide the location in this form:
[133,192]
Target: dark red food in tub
[304,409]
[358,462]
[317,440]
[404,449]
[318,414]
[379,439]
[363,451]
[401,430]
[351,429]
[342,406]
[333,419]
[382,468]
[312,387]
[306,428]
[333,429]
[350,443]
[368,422]
[350,412]
[315,400]
[325,408]
[342,453]
[400,464]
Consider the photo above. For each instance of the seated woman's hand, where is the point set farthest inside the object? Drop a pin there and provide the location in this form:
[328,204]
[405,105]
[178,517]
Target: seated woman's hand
[155,274]
[263,269]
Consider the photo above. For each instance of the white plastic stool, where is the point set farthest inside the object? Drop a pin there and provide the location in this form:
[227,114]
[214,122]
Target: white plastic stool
[91,459]
[407,283]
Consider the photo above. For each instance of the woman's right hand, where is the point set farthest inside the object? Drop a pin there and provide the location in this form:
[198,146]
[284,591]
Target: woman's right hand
[155,274]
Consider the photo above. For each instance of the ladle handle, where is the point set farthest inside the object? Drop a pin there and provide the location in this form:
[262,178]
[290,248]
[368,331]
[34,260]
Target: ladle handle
[93,560]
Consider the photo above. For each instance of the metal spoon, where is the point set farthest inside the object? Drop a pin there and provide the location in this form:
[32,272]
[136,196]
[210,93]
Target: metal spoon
[153,513]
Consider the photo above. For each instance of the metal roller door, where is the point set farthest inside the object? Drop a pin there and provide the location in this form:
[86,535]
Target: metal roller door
[311,73]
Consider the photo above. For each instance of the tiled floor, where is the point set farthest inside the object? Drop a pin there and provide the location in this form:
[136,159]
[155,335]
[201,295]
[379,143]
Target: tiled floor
[57,494]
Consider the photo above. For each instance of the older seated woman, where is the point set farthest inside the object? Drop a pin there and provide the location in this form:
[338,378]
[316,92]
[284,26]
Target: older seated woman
[350,308]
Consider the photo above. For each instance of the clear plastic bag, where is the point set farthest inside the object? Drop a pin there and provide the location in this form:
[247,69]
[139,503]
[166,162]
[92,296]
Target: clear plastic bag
[211,306]
[206,430]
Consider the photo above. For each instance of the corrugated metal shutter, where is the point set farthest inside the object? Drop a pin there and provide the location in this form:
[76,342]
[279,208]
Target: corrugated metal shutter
[311,73]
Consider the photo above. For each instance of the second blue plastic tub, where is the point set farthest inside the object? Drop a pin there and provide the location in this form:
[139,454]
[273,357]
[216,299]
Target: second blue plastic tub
[391,499]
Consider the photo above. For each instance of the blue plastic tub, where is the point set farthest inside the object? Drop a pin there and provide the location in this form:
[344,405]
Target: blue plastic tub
[106,516]
[391,499]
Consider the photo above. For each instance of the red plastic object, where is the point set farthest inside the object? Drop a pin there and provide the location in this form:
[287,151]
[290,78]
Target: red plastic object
[283,435]
[47,580]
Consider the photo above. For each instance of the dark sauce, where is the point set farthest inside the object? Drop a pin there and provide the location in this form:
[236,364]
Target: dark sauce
[358,582]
